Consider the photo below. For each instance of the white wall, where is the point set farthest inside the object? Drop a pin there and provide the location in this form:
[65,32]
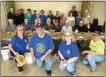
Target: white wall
[3,16]
[98,11]
[55,6]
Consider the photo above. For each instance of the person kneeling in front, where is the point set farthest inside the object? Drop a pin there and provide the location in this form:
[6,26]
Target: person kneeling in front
[96,52]
[18,44]
[69,53]
[41,45]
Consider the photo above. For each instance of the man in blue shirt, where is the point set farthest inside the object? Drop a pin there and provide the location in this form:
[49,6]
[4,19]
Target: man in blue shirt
[43,17]
[41,45]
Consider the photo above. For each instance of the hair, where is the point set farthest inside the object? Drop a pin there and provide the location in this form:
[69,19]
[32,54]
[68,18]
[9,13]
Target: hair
[29,10]
[42,11]
[72,39]
[16,30]
[97,32]
[56,12]
[11,20]
[35,11]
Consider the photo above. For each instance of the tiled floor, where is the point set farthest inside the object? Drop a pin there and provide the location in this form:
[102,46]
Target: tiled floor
[8,68]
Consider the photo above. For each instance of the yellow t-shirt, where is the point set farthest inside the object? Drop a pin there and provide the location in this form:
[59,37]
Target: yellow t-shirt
[97,46]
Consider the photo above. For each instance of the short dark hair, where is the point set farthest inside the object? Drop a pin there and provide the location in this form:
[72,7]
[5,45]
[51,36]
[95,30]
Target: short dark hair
[39,25]
[29,10]
[97,32]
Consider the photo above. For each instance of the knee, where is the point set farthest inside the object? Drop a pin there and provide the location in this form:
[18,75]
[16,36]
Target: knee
[89,57]
[70,69]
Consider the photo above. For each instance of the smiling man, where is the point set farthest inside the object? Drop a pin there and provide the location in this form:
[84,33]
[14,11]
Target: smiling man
[96,52]
[42,45]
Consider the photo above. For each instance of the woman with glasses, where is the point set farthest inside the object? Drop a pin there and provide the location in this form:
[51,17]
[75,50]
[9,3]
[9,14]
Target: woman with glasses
[69,53]
[96,52]
[18,44]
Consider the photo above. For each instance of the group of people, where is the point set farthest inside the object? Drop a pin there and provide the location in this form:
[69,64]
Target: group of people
[59,22]
[41,44]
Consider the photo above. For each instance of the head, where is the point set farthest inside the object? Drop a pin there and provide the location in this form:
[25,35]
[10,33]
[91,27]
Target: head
[62,14]
[42,12]
[48,21]
[95,35]
[86,21]
[19,30]
[56,23]
[10,22]
[26,21]
[36,21]
[86,13]
[40,30]
[11,10]
[81,23]
[70,14]
[22,11]
[67,22]
[79,14]
[18,12]
[28,11]
[50,12]
[57,13]
[68,36]
[73,7]
[35,12]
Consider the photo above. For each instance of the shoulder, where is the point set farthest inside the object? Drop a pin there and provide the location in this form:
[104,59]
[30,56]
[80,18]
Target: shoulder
[47,35]
[13,38]
[100,42]
[74,43]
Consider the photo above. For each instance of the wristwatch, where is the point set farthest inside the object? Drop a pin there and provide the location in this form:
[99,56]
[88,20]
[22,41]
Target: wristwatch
[63,59]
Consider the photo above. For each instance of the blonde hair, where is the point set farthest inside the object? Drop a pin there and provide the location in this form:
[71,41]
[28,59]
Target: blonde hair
[15,33]
[72,36]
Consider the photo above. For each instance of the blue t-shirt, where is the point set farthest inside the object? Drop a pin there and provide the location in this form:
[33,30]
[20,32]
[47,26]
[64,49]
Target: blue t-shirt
[19,44]
[43,19]
[69,51]
[41,45]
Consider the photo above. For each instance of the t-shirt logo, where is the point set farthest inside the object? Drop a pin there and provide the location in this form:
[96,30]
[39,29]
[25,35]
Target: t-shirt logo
[68,51]
[40,47]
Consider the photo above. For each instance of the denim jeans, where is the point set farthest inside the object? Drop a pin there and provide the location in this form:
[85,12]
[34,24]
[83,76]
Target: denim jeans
[48,62]
[71,67]
[92,59]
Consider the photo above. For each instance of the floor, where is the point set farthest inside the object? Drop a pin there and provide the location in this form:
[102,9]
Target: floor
[8,68]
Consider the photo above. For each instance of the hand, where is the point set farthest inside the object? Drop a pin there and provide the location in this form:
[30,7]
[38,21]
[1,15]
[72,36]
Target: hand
[16,53]
[34,59]
[65,63]
[43,58]
[84,52]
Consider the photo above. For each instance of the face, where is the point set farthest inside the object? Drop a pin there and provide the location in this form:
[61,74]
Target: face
[71,14]
[37,15]
[86,12]
[81,23]
[62,14]
[22,11]
[28,12]
[26,21]
[19,12]
[79,14]
[50,12]
[68,36]
[86,21]
[95,36]
[35,12]
[20,31]
[58,13]
[40,31]
[48,20]
[36,21]
[42,12]
[11,10]
[10,22]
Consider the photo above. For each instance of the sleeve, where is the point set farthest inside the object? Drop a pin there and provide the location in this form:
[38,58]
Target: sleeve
[51,43]
[12,42]
[60,46]
[75,51]
[31,42]
[100,47]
